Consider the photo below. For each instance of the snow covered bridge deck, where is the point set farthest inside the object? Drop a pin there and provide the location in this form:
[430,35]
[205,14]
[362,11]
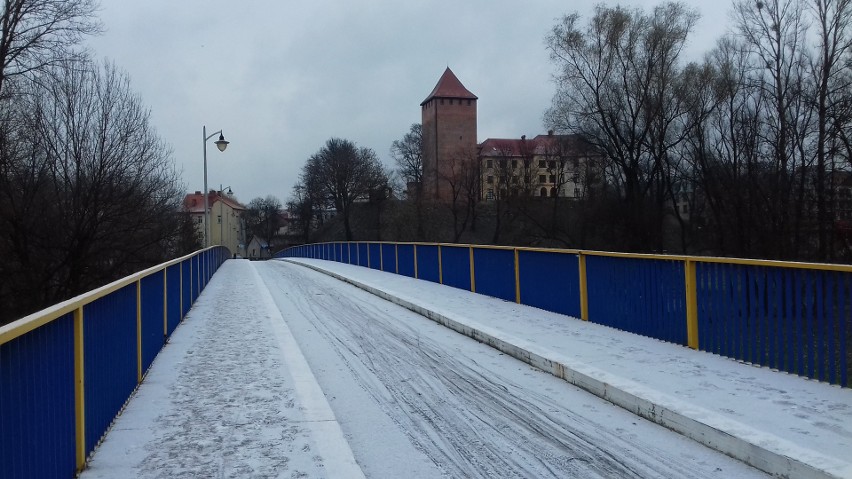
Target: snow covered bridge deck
[281,371]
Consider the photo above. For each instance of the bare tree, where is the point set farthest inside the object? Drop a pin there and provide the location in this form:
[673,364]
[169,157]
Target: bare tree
[263,217]
[35,34]
[408,155]
[345,174]
[89,193]
[614,89]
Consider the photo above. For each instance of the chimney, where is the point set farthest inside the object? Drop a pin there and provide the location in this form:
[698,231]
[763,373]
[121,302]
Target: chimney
[549,132]
[523,137]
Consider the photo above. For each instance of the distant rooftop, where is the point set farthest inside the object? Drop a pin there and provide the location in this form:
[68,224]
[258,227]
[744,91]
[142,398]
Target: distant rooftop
[449,86]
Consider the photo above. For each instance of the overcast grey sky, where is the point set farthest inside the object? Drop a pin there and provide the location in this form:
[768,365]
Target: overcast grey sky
[281,77]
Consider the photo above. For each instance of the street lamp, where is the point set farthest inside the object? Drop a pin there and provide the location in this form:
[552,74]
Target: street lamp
[221,144]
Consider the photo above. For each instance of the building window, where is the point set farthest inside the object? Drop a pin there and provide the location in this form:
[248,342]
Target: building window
[468,103]
[490,194]
[542,179]
[514,164]
[542,164]
[576,177]
[553,178]
[490,180]
[514,180]
[551,164]
[489,163]
[553,192]
[543,192]
[576,192]
[199,220]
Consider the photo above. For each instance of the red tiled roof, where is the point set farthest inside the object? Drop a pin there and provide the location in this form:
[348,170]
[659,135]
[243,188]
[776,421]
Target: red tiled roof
[194,202]
[449,86]
[541,144]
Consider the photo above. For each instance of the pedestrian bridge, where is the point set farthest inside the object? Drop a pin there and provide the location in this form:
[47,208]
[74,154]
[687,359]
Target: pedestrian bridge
[66,372]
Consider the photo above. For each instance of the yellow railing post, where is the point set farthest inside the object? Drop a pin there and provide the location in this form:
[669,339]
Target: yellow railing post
[517,278]
[79,390]
[180,288]
[139,331]
[472,274]
[691,304]
[584,288]
[415,261]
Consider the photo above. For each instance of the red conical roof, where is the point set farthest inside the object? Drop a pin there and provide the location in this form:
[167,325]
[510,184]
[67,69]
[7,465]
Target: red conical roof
[449,87]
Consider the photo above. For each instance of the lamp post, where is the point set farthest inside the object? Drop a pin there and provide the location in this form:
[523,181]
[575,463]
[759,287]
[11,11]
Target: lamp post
[221,144]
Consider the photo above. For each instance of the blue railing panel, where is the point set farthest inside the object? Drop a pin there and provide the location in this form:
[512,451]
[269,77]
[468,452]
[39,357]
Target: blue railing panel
[495,272]
[363,254]
[427,263]
[109,325]
[405,253]
[375,254]
[641,296]
[186,285]
[789,319]
[173,311]
[550,281]
[389,257]
[37,403]
[455,266]
[152,318]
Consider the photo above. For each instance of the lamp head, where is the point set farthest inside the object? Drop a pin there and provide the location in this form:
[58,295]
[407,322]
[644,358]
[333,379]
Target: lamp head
[221,143]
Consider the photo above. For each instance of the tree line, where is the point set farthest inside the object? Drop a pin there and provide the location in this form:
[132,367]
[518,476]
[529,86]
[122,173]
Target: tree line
[745,152]
[755,136]
[88,190]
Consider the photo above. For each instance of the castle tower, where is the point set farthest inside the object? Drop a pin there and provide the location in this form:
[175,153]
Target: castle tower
[449,134]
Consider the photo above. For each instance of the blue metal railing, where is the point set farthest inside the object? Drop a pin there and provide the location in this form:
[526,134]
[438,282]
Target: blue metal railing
[66,371]
[795,317]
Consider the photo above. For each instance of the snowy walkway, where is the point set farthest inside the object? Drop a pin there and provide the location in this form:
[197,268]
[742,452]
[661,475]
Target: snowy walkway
[791,425]
[232,395]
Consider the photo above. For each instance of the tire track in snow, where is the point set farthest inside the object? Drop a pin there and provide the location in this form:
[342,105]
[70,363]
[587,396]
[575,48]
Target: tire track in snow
[471,418]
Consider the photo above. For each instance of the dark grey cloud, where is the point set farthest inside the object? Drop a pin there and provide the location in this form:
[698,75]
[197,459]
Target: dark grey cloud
[280,78]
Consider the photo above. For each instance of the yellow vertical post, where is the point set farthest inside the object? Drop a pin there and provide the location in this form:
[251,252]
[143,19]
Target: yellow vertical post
[472,274]
[691,304]
[79,390]
[415,261]
[584,288]
[440,267]
[139,331]
[517,278]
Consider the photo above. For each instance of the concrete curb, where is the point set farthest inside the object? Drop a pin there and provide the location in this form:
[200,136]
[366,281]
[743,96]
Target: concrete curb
[339,459]
[763,451]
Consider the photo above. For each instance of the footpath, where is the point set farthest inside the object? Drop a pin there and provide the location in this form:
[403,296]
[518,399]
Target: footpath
[782,424]
[231,395]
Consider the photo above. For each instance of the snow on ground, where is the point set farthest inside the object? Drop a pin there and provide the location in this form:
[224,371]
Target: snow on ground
[223,398]
[230,395]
